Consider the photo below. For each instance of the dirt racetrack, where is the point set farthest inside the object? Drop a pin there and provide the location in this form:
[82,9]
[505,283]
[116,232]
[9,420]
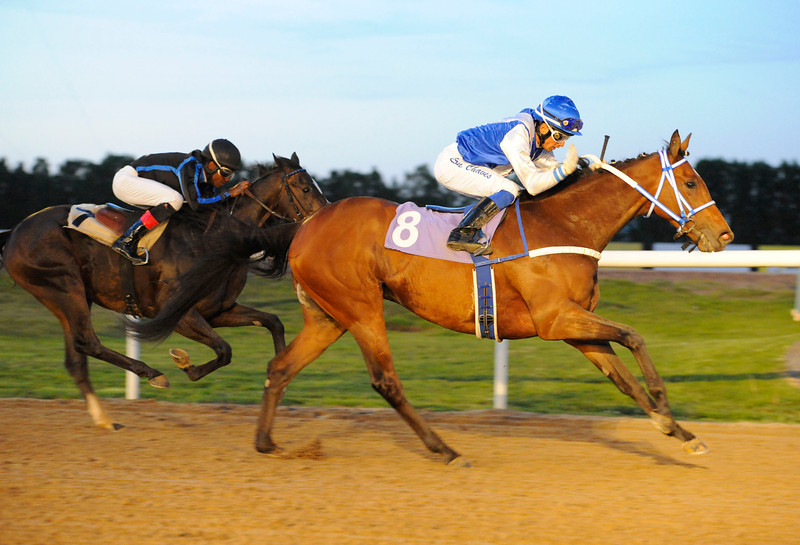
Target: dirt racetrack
[181,474]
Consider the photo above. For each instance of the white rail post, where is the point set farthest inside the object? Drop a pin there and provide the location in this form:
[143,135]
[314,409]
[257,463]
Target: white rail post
[796,309]
[501,375]
[132,350]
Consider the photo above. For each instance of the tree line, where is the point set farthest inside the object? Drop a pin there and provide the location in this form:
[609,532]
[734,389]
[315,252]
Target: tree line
[760,202]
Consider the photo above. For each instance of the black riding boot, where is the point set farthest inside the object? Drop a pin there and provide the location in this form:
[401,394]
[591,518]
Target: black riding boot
[127,244]
[465,236]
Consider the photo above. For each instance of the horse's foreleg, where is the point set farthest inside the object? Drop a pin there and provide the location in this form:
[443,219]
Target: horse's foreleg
[603,356]
[591,334]
[78,369]
[75,316]
[65,297]
[193,326]
[88,343]
[318,333]
[240,316]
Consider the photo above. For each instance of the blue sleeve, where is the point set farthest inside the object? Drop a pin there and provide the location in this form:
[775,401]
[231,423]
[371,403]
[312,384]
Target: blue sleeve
[199,177]
[215,198]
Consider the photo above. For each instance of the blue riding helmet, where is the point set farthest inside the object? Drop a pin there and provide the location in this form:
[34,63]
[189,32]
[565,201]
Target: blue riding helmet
[560,113]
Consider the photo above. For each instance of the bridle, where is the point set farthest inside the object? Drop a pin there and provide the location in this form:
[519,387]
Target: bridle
[685,221]
[292,199]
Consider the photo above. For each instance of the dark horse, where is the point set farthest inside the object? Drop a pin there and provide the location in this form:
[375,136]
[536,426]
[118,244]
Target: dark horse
[342,286]
[67,271]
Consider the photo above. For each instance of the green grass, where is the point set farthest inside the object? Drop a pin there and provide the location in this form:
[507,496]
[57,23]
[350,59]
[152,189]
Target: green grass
[720,350]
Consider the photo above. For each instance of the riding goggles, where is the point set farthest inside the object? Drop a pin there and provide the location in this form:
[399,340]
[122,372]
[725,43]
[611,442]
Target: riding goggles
[557,135]
[225,172]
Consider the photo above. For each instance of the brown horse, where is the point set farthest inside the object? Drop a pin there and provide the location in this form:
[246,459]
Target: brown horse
[341,285]
[67,272]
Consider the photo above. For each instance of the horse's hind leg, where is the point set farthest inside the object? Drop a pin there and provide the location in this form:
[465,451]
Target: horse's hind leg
[318,333]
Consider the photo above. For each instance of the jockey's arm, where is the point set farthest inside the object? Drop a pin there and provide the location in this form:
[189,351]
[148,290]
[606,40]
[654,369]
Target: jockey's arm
[536,176]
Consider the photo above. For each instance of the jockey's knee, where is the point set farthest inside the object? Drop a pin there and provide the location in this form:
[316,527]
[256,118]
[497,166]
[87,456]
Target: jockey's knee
[504,197]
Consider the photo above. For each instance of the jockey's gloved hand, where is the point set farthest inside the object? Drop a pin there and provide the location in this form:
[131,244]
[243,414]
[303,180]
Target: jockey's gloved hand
[592,162]
[570,160]
[239,188]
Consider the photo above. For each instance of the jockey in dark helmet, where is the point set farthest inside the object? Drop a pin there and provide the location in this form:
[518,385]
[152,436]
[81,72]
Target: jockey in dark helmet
[162,182]
[477,163]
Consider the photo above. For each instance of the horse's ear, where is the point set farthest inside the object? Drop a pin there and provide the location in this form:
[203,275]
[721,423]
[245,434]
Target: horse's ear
[677,149]
[276,159]
[675,146]
[685,146]
[294,158]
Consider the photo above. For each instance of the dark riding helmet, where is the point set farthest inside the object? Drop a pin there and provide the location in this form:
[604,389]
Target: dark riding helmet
[223,153]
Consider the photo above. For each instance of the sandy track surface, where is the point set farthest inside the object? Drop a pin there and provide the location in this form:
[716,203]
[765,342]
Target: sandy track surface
[189,474]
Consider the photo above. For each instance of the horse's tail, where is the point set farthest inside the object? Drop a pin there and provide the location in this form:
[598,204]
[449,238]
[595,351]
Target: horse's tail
[218,267]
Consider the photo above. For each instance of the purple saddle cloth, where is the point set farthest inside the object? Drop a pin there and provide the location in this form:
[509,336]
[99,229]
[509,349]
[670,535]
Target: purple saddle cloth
[420,231]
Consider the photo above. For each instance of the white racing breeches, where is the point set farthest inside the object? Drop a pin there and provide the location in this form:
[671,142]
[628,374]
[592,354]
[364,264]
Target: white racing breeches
[130,188]
[453,172]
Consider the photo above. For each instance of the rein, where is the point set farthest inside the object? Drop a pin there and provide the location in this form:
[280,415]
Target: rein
[292,199]
[684,221]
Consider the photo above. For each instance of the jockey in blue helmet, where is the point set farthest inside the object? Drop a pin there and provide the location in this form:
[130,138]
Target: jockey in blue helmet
[477,163]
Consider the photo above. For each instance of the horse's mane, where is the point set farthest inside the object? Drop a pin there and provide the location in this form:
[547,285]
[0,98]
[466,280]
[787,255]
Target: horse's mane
[265,170]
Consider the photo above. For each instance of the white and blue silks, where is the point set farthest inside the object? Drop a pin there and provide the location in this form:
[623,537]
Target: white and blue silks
[479,161]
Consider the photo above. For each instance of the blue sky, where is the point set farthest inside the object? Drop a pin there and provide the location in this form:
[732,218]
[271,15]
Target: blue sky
[365,84]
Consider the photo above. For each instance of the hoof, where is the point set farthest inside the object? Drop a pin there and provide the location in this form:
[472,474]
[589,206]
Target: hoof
[108,425]
[695,446]
[159,382]
[180,357]
[265,445]
[271,451]
[459,461]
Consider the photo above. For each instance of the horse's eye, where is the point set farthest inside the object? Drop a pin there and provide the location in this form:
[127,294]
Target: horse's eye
[306,189]
[691,184]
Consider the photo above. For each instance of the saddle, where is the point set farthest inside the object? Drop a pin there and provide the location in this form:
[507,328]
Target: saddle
[423,231]
[105,223]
